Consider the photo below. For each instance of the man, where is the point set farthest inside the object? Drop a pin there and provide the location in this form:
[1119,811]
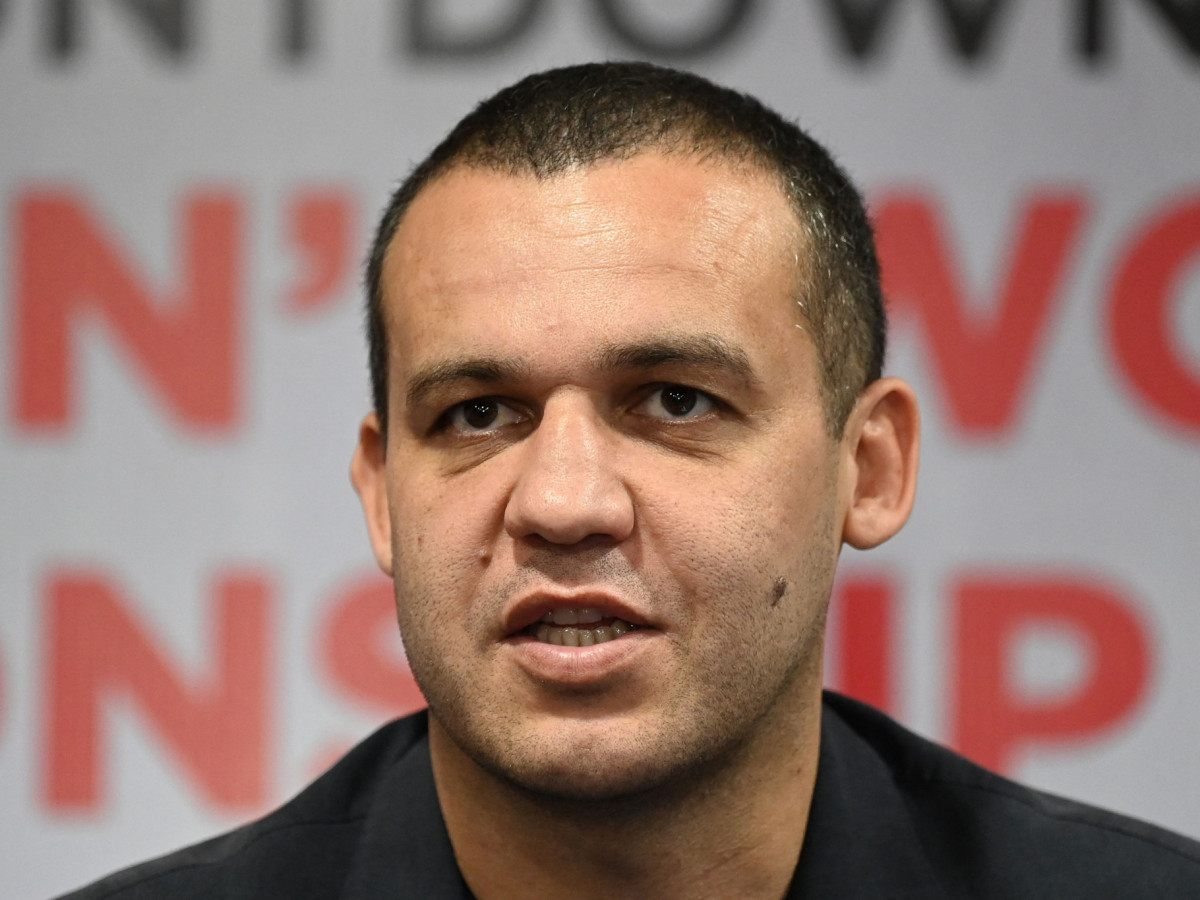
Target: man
[626,342]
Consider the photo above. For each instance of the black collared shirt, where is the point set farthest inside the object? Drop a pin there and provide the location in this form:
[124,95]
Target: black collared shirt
[893,816]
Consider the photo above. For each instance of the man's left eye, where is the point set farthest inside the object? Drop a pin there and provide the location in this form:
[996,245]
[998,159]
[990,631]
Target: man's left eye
[677,401]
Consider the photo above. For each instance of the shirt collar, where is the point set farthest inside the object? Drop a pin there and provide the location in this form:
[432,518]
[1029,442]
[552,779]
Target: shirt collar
[860,840]
[404,850]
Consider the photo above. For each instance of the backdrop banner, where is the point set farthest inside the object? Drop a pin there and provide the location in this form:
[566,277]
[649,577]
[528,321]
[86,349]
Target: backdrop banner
[191,624]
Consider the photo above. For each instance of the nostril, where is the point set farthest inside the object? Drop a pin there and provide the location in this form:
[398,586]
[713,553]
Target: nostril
[606,515]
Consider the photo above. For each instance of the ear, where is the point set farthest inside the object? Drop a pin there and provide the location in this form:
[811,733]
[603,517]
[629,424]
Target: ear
[368,474]
[881,446]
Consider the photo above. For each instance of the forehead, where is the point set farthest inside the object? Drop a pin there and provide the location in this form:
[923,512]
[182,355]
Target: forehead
[600,254]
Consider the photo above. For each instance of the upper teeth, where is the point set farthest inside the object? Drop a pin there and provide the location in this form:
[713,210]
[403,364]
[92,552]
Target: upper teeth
[583,616]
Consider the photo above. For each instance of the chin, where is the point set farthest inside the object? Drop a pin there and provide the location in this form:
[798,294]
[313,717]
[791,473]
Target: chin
[601,768]
[603,781]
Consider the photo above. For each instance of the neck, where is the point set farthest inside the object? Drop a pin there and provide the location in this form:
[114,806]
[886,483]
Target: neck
[733,831]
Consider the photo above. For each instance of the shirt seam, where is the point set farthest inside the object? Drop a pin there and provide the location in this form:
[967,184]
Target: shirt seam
[1110,827]
[228,857]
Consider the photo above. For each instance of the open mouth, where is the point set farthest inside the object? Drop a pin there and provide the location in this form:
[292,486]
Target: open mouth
[578,628]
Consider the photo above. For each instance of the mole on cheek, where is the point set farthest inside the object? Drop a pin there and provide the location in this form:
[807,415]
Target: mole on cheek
[781,587]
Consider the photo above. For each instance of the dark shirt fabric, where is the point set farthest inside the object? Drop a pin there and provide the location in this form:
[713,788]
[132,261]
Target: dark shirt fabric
[893,816]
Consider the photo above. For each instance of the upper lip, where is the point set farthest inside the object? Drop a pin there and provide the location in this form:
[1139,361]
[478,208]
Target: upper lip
[531,607]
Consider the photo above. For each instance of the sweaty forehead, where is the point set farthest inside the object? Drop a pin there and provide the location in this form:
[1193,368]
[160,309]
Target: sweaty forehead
[619,252]
[471,226]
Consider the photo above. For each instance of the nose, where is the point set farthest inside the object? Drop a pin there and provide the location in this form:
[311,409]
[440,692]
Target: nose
[568,488]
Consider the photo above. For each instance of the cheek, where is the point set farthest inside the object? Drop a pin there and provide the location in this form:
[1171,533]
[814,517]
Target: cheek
[728,544]
[718,546]
[439,536]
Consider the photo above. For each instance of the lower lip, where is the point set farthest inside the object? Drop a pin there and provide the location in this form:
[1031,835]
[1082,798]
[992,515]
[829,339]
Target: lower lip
[580,666]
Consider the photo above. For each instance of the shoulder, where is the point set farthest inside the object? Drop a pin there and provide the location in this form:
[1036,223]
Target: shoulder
[303,849]
[988,836]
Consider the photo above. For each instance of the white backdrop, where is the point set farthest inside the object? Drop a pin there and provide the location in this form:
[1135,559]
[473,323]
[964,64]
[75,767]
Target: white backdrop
[190,626]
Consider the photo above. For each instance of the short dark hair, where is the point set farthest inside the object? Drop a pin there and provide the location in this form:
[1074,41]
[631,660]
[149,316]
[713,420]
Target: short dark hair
[571,117]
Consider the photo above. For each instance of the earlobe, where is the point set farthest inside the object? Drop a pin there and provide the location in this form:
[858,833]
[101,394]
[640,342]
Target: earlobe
[882,441]
[368,474]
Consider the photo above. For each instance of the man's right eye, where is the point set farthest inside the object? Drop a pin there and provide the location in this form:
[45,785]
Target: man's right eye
[479,416]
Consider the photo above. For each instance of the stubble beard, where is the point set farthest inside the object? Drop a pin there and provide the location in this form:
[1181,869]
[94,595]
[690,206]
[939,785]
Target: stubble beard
[695,748]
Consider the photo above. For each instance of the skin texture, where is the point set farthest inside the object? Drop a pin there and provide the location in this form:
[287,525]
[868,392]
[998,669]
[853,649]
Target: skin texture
[712,517]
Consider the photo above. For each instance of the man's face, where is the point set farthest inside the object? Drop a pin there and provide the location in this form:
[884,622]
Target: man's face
[604,406]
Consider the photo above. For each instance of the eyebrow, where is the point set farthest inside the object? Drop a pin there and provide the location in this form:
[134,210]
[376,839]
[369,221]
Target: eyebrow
[486,370]
[705,350]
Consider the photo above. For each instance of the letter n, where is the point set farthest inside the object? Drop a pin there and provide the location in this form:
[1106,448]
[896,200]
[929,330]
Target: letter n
[69,272]
[99,656]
